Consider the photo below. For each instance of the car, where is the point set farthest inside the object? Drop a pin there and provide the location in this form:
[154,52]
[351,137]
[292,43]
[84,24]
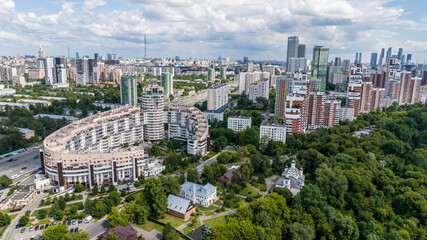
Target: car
[17,226]
[69,222]
[31,228]
[41,227]
[22,230]
[32,238]
[74,221]
[76,229]
[64,222]
[71,230]
[47,225]
[10,160]
[80,221]
[23,168]
[36,228]
[53,224]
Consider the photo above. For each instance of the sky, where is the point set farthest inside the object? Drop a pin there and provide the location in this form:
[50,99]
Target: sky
[210,28]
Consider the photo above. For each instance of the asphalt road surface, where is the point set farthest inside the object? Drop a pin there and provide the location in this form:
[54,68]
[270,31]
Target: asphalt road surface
[22,160]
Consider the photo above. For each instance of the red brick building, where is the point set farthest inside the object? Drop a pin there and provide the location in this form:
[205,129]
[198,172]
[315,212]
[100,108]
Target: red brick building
[180,207]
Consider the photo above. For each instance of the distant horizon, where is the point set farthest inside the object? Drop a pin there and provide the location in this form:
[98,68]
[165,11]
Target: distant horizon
[204,30]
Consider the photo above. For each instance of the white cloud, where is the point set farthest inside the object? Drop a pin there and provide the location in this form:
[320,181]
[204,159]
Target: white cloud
[257,28]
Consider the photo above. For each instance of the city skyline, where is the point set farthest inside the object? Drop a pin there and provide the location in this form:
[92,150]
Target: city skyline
[186,28]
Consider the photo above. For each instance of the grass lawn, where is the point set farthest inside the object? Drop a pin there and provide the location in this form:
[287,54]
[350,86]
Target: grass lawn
[43,221]
[191,228]
[174,221]
[261,186]
[248,191]
[35,213]
[209,213]
[148,226]
[210,208]
[218,202]
[13,216]
[214,222]
[6,211]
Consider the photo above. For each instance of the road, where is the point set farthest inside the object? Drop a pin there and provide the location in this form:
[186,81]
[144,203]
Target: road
[208,162]
[24,159]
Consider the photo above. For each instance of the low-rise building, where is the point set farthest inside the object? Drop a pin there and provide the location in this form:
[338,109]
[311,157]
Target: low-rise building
[26,133]
[226,177]
[180,207]
[33,101]
[239,123]
[212,115]
[57,117]
[292,179]
[123,232]
[7,91]
[198,194]
[273,131]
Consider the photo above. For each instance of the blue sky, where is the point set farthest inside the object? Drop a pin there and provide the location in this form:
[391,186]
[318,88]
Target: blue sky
[209,28]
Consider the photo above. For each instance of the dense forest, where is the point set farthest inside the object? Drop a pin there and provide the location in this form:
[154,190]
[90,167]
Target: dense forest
[367,187]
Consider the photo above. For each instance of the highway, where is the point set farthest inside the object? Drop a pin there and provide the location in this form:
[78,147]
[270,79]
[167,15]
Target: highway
[23,159]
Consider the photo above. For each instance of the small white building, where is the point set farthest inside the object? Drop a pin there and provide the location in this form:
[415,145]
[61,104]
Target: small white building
[212,115]
[292,179]
[198,194]
[276,132]
[239,123]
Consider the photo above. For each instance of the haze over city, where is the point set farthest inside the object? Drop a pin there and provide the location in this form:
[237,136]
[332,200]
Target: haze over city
[206,29]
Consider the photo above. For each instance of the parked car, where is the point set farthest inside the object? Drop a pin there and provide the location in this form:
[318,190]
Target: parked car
[64,222]
[17,226]
[37,228]
[76,229]
[22,230]
[69,222]
[74,221]
[80,221]
[41,227]
[46,226]
[71,230]
[30,229]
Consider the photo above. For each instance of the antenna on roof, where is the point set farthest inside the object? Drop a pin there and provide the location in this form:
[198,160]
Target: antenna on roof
[145,46]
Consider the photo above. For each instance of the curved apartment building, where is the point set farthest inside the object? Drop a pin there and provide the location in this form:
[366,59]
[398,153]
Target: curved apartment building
[100,148]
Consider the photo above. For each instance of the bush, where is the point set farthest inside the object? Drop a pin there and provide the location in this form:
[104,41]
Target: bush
[42,213]
[23,220]
[12,190]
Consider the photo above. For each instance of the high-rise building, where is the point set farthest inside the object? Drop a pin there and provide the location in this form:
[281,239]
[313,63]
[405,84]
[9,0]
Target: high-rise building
[316,102]
[153,104]
[374,60]
[245,59]
[346,65]
[283,88]
[77,55]
[292,52]
[95,56]
[223,72]
[275,132]
[409,58]
[167,83]
[41,53]
[409,89]
[356,59]
[320,64]
[380,61]
[217,96]
[259,89]
[301,50]
[247,78]
[238,123]
[360,59]
[128,93]
[337,62]
[400,53]
[250,66]
[403,59]
[87,71]
[388,55]
[211,74]
[49,71]
[297,64]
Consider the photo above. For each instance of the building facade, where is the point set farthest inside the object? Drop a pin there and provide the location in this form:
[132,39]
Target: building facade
[217,96]
[153,106]
[239,123]
[167,83]
[128,91]
[276,132]
[198,194]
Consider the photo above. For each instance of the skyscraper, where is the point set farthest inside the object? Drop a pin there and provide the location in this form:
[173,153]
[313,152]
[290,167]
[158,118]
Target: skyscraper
[49,71]
[167,83]
[301,50]
[77,55]
[320,64]
[41,53]
[374,60]
[388,55]
[409,58]
[360,58]
[399,54]
[292,49]
[128,94]
[95,56]
[61,70]
[217,96]
[380,62]
[87,71]
[346,65]
[245,59]
[337,61]
[356,59]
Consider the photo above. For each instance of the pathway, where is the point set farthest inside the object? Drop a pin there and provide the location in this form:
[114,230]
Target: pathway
[153,234]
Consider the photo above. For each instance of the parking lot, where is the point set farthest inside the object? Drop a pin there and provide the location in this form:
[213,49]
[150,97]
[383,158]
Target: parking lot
[26,235]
